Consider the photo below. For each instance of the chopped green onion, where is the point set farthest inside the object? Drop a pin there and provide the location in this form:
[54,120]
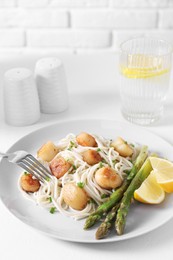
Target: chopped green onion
[50,199]
[103,196]
[127,171]
[47,178]
[25,173]
[115,161]
[80,184]
[52,210]
[72,144]
[91,201]
[74,167]
[98,150]
[100,164]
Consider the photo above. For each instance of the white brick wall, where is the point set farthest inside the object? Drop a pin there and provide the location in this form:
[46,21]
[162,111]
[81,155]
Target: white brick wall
[140,3]
[68,39]
[7,3]
[12,38]
[79,3]
[119,19]
[19,17]
[166,19]
[33,3]
[81,25]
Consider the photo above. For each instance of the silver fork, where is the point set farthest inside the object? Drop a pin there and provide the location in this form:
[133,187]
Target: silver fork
[29,163]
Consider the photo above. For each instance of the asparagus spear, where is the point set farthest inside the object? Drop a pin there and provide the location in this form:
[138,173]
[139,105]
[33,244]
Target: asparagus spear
[104,228]
[128,195]
[106,206]
[118,193]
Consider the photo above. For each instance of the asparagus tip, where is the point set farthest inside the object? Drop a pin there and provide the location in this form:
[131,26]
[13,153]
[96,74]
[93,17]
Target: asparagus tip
[119,227]
[91,220]
[102,231]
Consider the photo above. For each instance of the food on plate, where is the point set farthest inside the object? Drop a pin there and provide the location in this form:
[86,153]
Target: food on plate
[74,196]
[89,165]
[96,178]
[122,147]
[150,191]
[59,166]
[107,178]
[86,139]
[28,183]
[164,173]
[137,180]
[91,157]
[105,226]
[47,152]
[117,195]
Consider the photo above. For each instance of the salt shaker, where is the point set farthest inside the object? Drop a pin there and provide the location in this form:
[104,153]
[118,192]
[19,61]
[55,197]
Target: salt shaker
[21,102]
[51,83]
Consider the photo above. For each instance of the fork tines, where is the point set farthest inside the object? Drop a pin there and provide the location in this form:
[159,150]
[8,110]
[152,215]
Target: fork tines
[33,166]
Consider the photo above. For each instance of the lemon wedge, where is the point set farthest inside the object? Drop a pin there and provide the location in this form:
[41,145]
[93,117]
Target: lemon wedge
[164,173]
[150,191]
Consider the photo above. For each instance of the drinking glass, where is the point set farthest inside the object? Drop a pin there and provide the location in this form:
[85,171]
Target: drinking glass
[145,66]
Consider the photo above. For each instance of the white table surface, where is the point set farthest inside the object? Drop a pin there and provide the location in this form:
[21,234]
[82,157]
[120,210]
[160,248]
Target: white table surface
[93,93]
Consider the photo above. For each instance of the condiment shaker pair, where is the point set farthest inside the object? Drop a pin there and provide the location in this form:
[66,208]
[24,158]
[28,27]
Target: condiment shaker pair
[25,96]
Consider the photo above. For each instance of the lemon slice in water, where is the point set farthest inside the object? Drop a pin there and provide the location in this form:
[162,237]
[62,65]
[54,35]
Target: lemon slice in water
[143,66]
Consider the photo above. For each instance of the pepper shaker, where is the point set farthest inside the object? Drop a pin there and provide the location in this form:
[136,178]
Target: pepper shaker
[21,102]
[51,84]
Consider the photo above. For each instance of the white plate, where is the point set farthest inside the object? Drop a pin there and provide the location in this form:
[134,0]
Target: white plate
[141,218]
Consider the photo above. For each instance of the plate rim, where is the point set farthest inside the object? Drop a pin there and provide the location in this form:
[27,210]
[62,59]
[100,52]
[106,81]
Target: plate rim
[32,132]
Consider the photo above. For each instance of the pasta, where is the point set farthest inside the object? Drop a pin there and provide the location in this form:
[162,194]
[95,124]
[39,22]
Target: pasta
[50,194]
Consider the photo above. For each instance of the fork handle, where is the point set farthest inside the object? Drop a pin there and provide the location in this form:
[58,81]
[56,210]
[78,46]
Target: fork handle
[4,155]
